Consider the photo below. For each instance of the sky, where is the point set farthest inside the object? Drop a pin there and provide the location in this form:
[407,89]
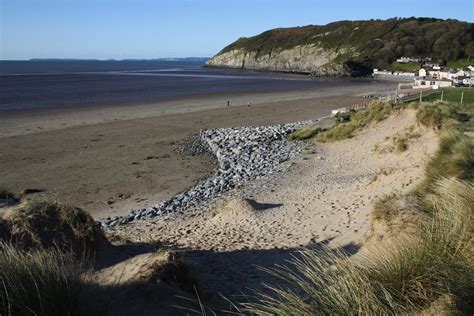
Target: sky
[106,29]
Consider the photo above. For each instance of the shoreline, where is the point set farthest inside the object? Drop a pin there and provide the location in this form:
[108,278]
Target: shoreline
[124,158]
[20,122]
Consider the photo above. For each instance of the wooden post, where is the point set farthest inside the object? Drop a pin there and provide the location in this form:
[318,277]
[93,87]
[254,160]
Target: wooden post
[442,92]
[462,96]
[421,94]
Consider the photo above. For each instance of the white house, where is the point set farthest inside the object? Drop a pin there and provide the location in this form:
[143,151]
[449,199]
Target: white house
[433,83]
[471,68]
[454,74]
[438,74]
[422,72]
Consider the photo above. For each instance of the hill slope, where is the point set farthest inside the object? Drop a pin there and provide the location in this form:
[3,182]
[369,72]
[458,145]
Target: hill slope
[348,48]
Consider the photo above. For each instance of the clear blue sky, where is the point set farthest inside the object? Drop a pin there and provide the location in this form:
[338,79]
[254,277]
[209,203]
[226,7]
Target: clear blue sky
[177,28]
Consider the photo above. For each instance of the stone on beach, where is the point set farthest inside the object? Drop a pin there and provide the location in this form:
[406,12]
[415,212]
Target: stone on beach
[243,154]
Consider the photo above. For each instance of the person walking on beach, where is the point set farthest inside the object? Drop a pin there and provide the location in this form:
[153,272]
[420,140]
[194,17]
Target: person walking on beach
[228,103]
[248,104]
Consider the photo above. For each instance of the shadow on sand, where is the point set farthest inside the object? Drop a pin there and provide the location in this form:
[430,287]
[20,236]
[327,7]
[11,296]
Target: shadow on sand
[233,275]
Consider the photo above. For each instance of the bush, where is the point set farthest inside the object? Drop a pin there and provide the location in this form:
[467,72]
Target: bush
[40,283]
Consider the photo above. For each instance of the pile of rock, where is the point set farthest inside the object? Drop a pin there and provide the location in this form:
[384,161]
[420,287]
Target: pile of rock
[243,154]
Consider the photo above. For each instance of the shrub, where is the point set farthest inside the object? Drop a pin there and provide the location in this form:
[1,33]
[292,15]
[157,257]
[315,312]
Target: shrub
[40,283]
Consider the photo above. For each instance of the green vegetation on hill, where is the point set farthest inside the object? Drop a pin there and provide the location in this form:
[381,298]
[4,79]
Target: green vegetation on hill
[372,43]
[462,63]
[405,67]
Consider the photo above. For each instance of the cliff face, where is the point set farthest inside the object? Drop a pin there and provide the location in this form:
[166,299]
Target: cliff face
[309,59]
[348,48]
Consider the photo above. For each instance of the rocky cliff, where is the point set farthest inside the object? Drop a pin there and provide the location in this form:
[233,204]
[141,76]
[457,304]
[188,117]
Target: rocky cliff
[309,59]
[348,48]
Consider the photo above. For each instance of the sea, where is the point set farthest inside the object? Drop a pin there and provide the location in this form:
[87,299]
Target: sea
[37,85]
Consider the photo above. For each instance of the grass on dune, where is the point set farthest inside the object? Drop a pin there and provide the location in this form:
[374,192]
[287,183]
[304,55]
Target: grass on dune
[305,133]
[7,196]
[455,155]
[376,111]
[455,158]
[428,270]
[50,224]
[435,263]
[40,283]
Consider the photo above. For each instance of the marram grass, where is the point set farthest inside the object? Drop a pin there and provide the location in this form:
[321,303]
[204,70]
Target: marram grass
[408,276]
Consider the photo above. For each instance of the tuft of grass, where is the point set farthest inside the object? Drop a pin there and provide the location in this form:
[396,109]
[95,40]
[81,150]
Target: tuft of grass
[436,114]
[37,225]
[400,143]
[376,111]
[385,208]
[40,283]
[455,158]
[436,262]
[324,282]
[305,133]
[7,196]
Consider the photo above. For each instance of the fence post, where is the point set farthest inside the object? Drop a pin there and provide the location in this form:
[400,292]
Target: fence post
[421,94]
[442,93]
[462,96]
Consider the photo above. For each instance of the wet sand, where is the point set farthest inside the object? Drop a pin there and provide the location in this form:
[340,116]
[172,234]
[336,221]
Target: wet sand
[109,160]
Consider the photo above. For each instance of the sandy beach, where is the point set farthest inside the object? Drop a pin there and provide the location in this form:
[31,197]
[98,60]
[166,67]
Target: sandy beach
[322,198]
[109,160]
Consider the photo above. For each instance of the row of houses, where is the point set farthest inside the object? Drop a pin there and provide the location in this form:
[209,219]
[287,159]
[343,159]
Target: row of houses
[432,75]
[443,73]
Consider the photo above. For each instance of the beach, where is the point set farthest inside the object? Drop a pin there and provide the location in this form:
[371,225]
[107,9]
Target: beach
[112,159]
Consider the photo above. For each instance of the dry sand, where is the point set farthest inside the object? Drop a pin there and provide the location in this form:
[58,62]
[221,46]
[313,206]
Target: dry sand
[323,197]
[112,159]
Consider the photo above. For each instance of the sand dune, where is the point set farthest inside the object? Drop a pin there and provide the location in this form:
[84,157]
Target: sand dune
[323,197]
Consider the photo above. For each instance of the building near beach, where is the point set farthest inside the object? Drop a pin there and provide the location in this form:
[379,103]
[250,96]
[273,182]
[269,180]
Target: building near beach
[434,83]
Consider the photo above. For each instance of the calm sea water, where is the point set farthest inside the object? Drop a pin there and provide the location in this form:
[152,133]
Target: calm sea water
[40,84]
